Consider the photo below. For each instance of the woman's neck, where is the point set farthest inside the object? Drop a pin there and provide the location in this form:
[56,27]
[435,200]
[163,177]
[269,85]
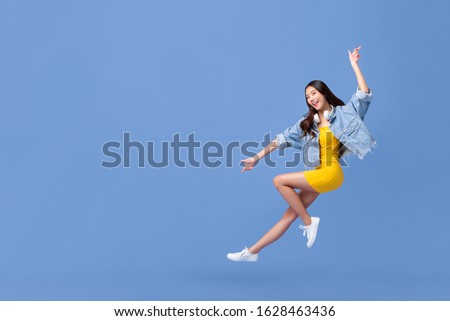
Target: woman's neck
[327,106]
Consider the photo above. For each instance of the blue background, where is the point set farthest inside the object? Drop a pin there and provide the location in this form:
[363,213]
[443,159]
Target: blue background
[77,74]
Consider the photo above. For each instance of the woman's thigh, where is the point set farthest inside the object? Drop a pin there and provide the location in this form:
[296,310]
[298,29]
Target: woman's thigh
[294,180]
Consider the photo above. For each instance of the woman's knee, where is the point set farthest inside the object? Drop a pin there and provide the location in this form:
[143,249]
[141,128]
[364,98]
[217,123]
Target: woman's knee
[278,181]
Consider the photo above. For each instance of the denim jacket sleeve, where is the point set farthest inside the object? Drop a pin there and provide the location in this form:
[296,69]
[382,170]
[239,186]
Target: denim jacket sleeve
[291,136]
[360,102]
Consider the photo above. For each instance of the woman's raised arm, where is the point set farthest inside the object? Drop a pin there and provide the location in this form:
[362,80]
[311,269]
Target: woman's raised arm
[354,58]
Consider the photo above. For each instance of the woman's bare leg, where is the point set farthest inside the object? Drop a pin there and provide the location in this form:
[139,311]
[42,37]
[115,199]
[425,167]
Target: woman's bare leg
[306,197]
[285,184]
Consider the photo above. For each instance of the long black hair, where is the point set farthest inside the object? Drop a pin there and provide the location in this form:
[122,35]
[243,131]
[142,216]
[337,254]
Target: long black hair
[320,86]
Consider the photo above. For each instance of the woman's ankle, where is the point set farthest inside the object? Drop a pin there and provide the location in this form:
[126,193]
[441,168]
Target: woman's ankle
[307,221]
[253,251]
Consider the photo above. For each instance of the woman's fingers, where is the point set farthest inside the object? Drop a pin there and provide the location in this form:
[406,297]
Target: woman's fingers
[355,51]
[248,164]
[354,55]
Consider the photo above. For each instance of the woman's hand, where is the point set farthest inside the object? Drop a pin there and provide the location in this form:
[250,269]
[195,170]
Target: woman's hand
[249,163]
[354,56]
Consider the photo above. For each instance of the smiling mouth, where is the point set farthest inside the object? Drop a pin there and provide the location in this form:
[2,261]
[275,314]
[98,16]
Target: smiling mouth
[314,103]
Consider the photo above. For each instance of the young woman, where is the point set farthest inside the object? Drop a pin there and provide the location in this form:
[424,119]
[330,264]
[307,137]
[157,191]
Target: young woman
[329,131]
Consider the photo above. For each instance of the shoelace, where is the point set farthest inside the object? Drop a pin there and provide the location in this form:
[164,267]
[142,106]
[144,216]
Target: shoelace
[244,252]
[305,231]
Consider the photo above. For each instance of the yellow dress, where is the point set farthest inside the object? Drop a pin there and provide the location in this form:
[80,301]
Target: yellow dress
[328,175]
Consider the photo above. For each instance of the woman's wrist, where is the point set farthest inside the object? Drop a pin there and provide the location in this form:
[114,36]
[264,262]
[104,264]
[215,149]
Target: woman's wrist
[354,65]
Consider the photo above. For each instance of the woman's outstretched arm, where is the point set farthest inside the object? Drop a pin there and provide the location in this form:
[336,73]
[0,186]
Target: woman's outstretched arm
[354,58]
[249,163]
[291,136]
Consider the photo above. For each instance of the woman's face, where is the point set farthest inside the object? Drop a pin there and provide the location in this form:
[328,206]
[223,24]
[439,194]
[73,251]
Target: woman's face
[315,98]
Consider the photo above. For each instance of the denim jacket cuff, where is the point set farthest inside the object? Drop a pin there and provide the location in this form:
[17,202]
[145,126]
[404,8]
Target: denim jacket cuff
[363,95]
[281,141]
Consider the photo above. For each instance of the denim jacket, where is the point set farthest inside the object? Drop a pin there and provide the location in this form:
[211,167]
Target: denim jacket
[346,123]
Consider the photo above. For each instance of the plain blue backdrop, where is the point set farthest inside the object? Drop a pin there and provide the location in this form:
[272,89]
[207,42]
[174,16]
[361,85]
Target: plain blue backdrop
[77,74]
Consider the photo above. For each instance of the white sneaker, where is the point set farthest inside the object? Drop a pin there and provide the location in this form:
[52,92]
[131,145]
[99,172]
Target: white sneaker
[311,231]
[243,256]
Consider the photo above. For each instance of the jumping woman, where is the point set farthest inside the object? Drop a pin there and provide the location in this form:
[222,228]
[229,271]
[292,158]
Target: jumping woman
[336,130]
